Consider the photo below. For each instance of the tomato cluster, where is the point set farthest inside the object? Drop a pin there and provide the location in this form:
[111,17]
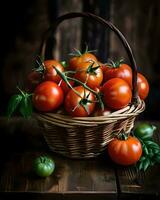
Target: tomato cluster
[85,82]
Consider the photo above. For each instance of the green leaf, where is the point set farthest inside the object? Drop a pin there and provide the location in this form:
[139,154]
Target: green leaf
[13,104]
[152,162]
[152,144]
[26,106]
[151,154]
[156,151]
[157,158]
[146,164]
[142,158]
[140,165]
[145,150]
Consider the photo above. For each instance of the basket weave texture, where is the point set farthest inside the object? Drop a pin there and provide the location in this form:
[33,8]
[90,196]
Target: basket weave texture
[86,137]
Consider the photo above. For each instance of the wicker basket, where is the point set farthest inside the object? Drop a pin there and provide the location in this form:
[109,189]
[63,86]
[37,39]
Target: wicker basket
[86,137]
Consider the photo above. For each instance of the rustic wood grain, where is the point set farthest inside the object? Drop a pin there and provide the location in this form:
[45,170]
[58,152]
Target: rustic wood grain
[134,182]
[71,177]
[93,178]
[138,21]
[68,34]
[94,34]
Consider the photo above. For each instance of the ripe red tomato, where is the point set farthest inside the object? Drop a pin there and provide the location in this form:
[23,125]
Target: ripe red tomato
[76,60]
[92,76]
[50,73]
[122,71]
[116,93]
[33,79]
[143,86]
[74,104]
[125,152]
[64,86]
[47,96]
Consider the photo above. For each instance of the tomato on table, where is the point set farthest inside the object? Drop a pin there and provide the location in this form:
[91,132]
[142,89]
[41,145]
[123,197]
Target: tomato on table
[117,93]
[43,166]
[81,104]
[125,151]
[144,131]
[47,96]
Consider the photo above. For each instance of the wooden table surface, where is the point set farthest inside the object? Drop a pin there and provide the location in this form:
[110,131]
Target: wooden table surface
[96,178]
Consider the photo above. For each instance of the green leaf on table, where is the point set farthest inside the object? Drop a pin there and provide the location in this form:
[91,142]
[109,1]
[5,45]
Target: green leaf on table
[26,106]
[140,166]
[156,151]
[13,104]
[157,158]
[146,164]
[152,145]
[145,149]
[152,162]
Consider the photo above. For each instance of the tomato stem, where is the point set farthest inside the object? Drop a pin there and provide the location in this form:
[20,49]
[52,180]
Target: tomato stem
[91,69]
[115,64]
[23,94]
[66,78]
[78,53]
[123,136]
[88,88]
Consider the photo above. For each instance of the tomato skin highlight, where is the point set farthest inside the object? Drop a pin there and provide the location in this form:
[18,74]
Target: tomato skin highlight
[72,100]
[47,96]
[143,86]
[50,73]
[116,93]
[123,71]
[125,152]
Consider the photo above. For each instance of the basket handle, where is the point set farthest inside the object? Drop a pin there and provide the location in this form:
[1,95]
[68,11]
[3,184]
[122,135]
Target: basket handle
[107,24]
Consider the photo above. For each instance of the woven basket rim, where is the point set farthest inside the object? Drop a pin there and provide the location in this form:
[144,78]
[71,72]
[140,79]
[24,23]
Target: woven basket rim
[67,121]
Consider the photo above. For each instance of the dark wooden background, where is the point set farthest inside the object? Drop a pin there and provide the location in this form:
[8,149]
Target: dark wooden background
[24,22]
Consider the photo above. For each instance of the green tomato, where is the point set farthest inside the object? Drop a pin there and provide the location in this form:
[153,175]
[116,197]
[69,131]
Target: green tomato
[43,166]
[144,131]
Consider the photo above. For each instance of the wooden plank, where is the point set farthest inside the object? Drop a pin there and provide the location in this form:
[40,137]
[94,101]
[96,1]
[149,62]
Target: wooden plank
[72,178]
[137,21]
[130,181]
[93,33]
[68,34]
[55,196]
